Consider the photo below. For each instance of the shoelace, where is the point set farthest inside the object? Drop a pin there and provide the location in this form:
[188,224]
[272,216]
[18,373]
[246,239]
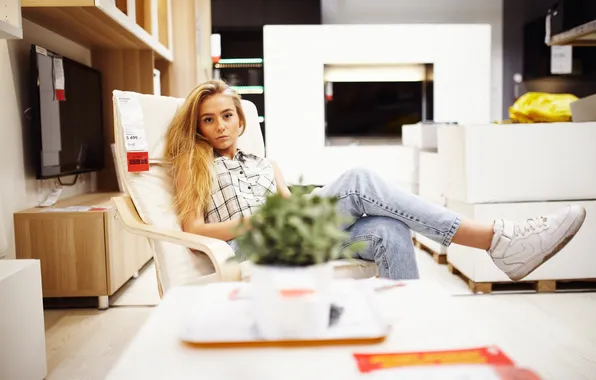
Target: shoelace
[530,225]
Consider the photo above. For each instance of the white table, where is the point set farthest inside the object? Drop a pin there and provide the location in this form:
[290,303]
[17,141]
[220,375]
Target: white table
[424,318]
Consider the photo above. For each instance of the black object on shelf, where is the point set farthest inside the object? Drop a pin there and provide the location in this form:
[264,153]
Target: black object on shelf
[246,14]
[567,14]
[537,56]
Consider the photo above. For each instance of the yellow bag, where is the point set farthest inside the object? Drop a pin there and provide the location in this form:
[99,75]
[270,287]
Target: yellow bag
[539,107]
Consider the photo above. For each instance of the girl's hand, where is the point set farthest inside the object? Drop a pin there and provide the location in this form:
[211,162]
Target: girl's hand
[245,222]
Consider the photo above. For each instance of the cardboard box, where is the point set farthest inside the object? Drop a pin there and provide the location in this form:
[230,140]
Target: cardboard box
[584,110]
[519,162]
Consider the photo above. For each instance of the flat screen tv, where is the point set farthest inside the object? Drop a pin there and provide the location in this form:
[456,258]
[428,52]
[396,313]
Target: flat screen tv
[67,131]
[376,109]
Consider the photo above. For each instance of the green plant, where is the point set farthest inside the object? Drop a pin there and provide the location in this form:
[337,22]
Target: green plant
[300,230]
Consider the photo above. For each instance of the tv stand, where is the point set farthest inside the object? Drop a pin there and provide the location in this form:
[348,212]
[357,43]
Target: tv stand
[83,253]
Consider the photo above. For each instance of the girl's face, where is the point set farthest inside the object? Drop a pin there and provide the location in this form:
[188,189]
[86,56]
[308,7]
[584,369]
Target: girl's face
[219,123]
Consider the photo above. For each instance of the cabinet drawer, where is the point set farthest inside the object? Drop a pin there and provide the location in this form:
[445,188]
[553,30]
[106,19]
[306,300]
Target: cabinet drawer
[71,249]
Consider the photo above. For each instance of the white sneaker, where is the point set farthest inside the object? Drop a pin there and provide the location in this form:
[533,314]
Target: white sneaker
[518,248]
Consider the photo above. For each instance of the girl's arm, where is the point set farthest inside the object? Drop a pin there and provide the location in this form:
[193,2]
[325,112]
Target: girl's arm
[223,231]
[280,182]
[195,223]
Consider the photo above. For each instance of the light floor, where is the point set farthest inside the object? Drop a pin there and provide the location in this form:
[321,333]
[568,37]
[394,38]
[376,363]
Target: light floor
[85,343]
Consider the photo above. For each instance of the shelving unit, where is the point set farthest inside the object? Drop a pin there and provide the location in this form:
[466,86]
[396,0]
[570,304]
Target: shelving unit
[583,35]
[10,20]
[129,40]
[101,24]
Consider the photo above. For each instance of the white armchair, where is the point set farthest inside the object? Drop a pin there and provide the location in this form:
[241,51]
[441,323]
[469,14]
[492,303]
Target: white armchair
[182,258]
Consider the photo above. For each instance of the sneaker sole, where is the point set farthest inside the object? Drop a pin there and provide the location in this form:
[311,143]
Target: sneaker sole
[537,261]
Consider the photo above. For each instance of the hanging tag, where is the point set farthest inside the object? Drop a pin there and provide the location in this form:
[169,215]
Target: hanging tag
[135,142]
[41,50]
[59,79]
[561,61]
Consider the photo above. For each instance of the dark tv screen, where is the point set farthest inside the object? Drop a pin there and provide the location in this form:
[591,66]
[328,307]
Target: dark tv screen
[373,109]
[67,134]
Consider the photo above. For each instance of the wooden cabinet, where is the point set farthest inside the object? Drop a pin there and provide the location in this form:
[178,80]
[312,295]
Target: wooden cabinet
[82,247]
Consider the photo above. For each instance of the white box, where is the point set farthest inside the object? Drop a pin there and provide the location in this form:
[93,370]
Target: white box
[576,261]
[422,136]
[437,248]
[431,178]
[22,331]
[520,162]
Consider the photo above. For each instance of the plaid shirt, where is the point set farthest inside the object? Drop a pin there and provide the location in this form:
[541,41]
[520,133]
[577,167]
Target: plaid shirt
[240,186]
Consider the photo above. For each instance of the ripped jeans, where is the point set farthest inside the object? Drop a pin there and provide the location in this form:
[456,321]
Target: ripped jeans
[385,216]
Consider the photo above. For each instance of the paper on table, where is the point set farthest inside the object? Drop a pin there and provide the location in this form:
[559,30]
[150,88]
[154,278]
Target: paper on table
[223,314]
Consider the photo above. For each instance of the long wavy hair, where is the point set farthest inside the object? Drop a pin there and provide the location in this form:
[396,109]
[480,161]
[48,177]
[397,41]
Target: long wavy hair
[190,155]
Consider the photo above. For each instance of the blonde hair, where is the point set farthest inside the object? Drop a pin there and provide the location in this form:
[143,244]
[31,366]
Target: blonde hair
[190,155]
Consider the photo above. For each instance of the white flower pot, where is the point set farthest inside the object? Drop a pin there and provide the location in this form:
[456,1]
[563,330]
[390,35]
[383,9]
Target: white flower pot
[291,302]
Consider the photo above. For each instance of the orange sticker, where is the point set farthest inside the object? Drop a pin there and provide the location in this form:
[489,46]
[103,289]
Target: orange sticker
[482,355]
[288,293]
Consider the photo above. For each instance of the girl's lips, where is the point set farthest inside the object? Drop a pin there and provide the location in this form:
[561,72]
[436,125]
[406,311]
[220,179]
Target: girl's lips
[222,137]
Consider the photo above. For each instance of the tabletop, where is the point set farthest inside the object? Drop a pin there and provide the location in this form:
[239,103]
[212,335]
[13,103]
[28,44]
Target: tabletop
[423,316]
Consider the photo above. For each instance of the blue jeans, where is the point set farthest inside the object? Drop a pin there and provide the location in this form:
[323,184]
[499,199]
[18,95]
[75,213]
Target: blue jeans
[385,216]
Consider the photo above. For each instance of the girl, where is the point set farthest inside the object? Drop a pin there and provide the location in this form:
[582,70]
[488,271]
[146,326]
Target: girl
[218,187]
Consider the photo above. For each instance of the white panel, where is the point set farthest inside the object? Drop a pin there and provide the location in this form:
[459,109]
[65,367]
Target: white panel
[517,163]
[295,58]
[22,321]
[10,19]
[374,73]
[431,178]
[380,12]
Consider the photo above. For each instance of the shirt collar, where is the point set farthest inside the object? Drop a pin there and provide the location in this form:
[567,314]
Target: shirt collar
[239,156]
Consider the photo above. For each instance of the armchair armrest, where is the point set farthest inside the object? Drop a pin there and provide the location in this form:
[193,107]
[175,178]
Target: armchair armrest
[218,251]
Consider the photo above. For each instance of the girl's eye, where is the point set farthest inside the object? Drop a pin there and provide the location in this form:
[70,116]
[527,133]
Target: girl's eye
[207,120]
[229,115]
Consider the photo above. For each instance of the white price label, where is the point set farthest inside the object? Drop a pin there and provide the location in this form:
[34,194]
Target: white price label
[131,119]
[131,113]
[561,61]
[41,50]
[135,140]
[58,74]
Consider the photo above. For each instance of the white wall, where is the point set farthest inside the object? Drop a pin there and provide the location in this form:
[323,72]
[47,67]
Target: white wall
[18,187]
[294,82]
[429,12]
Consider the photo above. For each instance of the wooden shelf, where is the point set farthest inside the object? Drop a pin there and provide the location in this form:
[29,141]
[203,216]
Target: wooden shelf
[583,35]
[97,24]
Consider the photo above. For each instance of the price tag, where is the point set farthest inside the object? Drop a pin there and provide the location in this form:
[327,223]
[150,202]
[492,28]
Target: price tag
[41,50]
[561,61]
[59,78]
[131,119]
[135,140]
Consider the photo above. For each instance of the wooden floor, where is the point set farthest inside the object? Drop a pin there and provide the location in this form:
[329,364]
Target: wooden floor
[84,343]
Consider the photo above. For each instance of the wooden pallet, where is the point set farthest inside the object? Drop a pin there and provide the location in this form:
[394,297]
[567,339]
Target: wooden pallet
[439,258]
[539,286]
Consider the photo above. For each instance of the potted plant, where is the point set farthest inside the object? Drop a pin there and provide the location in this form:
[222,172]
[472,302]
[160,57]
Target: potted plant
[290,244]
